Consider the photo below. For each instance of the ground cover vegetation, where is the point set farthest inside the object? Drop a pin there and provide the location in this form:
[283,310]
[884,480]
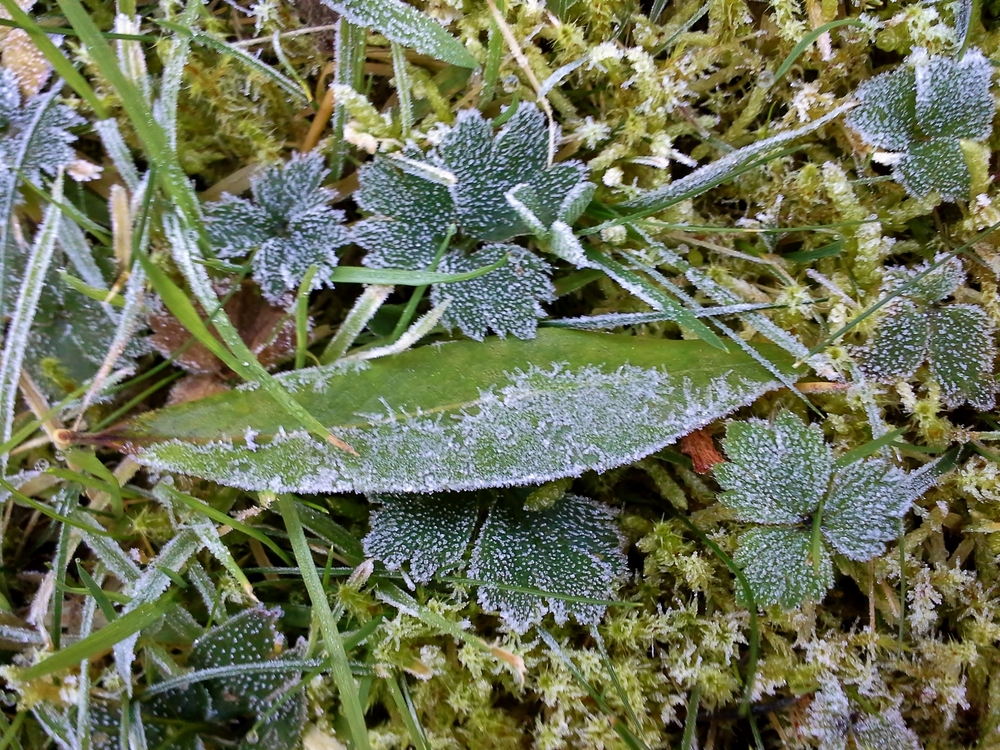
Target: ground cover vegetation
[504,374]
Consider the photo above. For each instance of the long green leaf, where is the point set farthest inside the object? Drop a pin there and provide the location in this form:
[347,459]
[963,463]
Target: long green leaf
[460,416]
[104,639]
[404,24]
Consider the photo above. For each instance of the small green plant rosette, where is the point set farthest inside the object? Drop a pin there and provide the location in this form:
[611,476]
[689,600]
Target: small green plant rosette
[921,115]
[493,187]
[782,477]
[288,227]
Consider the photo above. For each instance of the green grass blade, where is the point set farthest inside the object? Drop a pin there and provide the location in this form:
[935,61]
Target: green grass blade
[98,295]
[210,42]
[101,641]
[218,516]
[302,317]
[647,291]
[359,275]
[341,667]
[807,40]
[95,591]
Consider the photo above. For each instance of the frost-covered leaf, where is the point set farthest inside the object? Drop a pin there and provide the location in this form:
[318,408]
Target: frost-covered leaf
[464,415]
[828,718]
[430,532]
[862,511]
[401,23]
[576,202]
[935,164]
[884,731]
[886,117]
[507,300]
[776,474]
[572,548]
[953,96]
[487,167]
[934,287]
[962,351]
[779,568]
[723,169]
[899,345]
[34,131]
[288,227]
[411,219]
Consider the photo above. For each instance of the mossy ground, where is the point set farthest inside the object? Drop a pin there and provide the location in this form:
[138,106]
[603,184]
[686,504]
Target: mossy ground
[916,629]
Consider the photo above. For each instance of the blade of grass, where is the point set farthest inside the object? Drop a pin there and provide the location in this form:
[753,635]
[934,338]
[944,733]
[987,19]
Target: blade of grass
[688,741]
[619,726]
[361,313]
[101,641]
[869,448]
[107,608]
[648,292]
[302,317]
[18,333]
[98,295]
[175,495]
[340,666]
[407,712]
[807,40]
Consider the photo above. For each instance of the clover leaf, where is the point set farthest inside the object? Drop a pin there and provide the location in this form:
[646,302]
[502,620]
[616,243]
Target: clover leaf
[922,116]
[492,188]
[957,340]
[530,563]
[782,476]
[288,227]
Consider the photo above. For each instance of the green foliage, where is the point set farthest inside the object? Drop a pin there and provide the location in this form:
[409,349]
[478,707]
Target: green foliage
[477,181]
[467,415]
[922,115]
[667,170]
[783,477]
[288,227]
[957,340]
[567,552]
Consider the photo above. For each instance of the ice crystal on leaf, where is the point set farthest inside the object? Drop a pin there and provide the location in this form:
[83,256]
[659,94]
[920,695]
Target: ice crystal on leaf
[430,532]
[34,131]
[957,340]
[506,300]
[783,475]
[288,227]
[923,114]
[832,718]
[492,187]
[569,550]
[249,639]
